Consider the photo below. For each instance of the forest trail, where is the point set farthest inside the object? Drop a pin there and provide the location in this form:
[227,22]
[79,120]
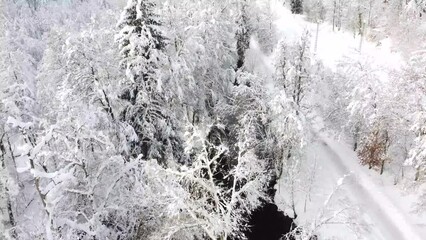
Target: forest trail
[386,220]
[332,46]
[361,207]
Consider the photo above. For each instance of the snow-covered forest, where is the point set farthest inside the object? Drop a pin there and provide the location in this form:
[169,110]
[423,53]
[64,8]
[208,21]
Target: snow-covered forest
[212,119]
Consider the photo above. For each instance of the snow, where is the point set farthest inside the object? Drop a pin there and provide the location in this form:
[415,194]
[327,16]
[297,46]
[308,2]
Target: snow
[388,220]
[17,123]
[86,164]
[39,174]
[347,200]
[333,46]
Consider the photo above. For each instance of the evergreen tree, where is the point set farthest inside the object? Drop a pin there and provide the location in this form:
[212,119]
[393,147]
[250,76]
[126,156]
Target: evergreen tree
[142,46]
[296,6]
[243,34]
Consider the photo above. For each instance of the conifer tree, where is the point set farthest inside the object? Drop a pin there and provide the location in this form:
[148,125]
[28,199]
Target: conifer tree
[142,46]
[243,34]
[296,6]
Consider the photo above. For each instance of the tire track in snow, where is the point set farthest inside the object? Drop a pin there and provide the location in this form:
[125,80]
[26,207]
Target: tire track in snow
[386,219]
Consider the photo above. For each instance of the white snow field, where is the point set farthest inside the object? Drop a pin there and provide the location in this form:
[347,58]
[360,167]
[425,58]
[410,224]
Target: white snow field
[342,199]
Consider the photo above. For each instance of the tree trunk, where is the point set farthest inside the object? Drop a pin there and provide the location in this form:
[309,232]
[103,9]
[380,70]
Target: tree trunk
[316,37]
[417,176]
[11,219]
[334,14]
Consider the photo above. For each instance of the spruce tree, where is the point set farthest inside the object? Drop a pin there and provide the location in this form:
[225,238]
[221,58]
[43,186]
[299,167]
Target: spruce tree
[142,45]
[296,6]
[242,35]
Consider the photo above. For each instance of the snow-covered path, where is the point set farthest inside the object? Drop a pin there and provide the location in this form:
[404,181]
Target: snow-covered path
[362,207]
[386,219]
[334,46]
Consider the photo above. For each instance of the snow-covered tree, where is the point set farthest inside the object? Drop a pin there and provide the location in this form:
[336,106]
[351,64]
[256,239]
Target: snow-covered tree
[262,17]
[315,10]
[369,115]
[163,127]
[87,173]
[293,68]
[417,7]
[19,118]
[203,55]
[243,34]
[296,6]
[142,46]
[219,210]
[416,74]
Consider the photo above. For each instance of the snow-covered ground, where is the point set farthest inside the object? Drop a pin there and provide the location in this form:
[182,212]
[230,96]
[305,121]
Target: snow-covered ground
[364,206]
[333,46]
[342,199]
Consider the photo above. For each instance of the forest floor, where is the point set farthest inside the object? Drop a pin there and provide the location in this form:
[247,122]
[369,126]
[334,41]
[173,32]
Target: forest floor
[340,198]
